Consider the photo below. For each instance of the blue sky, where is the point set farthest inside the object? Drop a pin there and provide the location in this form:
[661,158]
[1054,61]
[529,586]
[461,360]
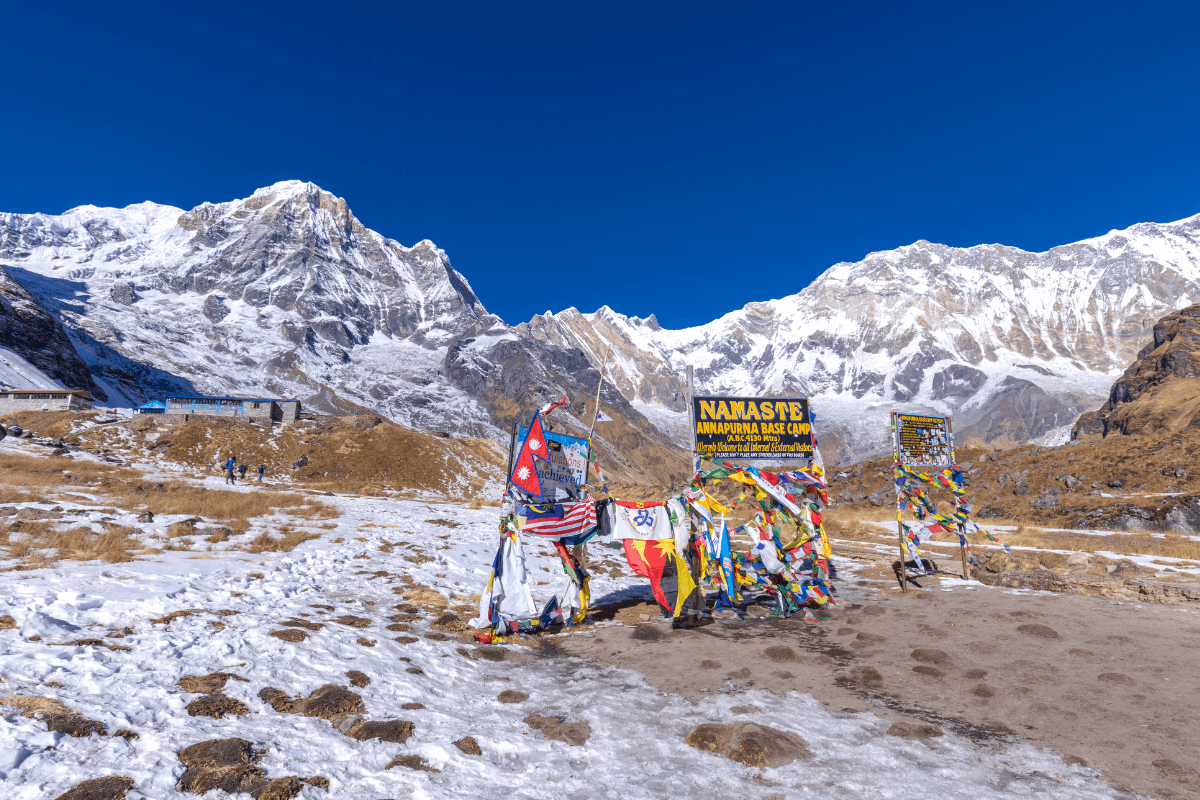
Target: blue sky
[680,159]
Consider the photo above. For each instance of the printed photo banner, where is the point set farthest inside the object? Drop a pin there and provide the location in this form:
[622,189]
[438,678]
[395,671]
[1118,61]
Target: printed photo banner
[567,468]
[745,428]
[921,440]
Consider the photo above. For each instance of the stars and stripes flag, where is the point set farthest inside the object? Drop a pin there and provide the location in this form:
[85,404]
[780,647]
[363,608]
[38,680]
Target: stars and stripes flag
[569,519]
[525,472]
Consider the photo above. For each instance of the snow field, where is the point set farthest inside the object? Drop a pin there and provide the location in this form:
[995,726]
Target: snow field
[636,748]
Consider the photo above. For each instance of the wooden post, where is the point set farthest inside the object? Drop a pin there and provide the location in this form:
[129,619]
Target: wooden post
[899,515]
[691,392]
[596,410]
[697,598]
[962,548]
[512,443]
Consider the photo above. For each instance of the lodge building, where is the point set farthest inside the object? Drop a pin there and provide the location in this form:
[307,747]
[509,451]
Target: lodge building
[12,400]
[259,410]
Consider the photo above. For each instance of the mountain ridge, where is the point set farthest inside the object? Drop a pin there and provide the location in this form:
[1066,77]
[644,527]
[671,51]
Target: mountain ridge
[286,292]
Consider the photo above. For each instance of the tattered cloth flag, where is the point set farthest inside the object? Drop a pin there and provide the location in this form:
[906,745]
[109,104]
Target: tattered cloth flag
[507,594]
[602,417]
[649,559]
[647,521]
[525,473]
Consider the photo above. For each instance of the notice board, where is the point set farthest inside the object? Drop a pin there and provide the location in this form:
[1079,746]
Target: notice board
[922,440]
[746,428]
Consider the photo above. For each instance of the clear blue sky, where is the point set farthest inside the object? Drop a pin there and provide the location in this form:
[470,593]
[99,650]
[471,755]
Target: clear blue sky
[677,158]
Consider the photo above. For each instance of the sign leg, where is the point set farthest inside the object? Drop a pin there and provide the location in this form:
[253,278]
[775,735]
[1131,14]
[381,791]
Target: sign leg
[962,548]
[903,570]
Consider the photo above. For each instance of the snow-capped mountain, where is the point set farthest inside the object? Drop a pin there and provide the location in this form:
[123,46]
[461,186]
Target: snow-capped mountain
[1014,344]
[287,293]
[267,295]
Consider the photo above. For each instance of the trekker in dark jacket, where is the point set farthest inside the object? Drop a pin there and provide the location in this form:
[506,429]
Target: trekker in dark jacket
[242,472]
[261,469]
[229,465]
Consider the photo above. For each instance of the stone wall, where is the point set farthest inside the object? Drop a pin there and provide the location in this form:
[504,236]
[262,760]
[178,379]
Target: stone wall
[9,405]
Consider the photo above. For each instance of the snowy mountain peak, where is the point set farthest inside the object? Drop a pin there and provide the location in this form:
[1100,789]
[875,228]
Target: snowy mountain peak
[268,294]
[286,292]
[1014,343]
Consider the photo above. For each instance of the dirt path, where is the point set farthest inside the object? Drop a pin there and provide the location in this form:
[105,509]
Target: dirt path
[1115,687]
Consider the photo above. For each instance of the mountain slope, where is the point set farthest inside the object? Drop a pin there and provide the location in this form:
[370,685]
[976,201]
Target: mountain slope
[286,293]
[35,351]
[1160,391]
[1015,344]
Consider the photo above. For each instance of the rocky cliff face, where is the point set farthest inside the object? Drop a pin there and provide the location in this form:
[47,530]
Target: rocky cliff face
[35,351]
[1160,391]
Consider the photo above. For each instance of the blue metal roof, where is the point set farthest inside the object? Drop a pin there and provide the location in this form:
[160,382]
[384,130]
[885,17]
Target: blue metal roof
[238,399]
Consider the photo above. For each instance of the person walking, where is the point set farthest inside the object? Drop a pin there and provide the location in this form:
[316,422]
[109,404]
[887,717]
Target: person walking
[242,472]
[229,465]
[261,469]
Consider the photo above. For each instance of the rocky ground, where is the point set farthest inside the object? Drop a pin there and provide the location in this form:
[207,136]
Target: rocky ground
[163,636]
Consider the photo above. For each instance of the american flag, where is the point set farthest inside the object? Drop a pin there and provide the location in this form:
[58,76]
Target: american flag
[574,519]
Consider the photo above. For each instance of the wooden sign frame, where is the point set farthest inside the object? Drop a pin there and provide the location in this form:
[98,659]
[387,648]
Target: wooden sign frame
[952,461]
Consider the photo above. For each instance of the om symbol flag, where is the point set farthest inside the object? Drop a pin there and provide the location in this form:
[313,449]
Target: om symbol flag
[648,521]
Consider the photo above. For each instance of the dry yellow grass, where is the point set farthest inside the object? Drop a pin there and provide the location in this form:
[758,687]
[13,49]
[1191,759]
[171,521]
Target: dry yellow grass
[223,504]
[287,540]
[29,705]
[40,544]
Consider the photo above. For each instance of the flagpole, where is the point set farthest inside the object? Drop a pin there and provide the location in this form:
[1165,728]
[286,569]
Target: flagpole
[596,410]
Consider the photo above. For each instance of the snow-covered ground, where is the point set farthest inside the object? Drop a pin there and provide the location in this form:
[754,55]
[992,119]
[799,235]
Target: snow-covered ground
[636,748]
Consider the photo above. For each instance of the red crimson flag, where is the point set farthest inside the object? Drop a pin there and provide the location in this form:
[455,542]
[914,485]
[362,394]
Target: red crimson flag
[525,472]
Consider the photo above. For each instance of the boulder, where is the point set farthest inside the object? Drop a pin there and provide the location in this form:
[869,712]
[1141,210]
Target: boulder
[557,728]
[749,743]
[1021,488]
[110,788]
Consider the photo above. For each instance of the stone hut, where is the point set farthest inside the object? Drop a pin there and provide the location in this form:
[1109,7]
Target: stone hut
[260,410]
[15,400]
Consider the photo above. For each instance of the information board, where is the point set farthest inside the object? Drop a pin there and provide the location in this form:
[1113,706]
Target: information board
[744,428]
[920,440]
[567,469]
